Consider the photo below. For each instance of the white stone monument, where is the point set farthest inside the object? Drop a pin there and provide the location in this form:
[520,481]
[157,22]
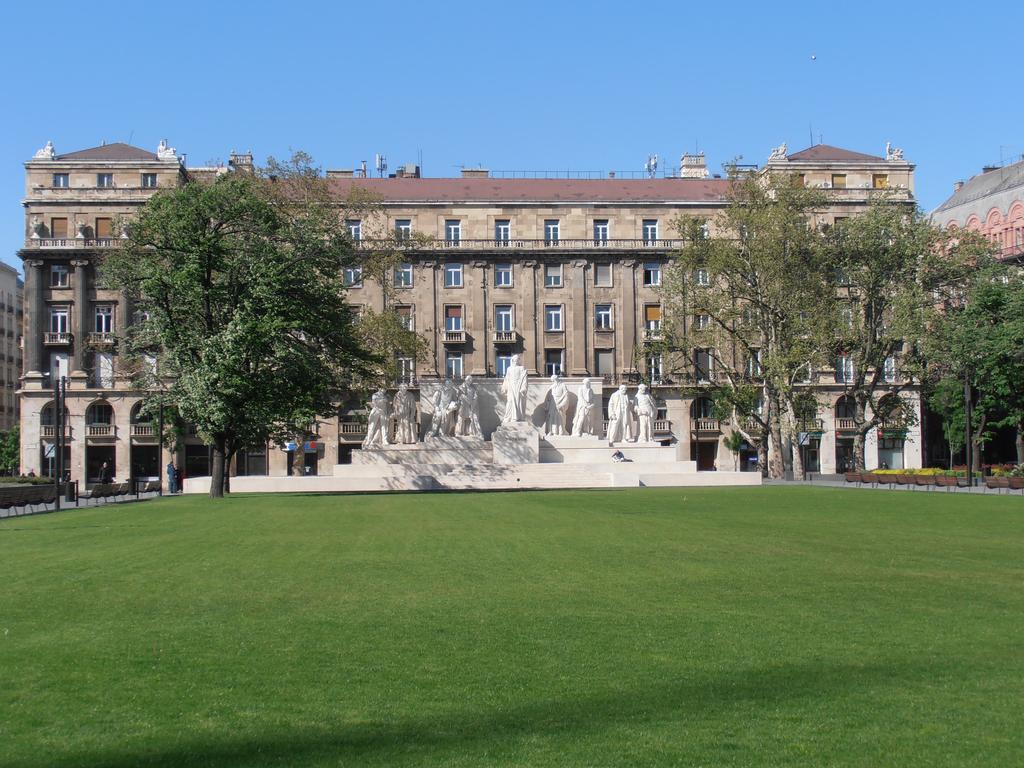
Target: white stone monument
[583,423]
[620,417]
[646,410]
[557,405]
[468,420]
[404,410]
[377,423]
[446,405]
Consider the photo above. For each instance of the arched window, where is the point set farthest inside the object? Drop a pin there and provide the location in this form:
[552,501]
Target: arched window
[99,413]
[48,415]
[139,416]
[845,407]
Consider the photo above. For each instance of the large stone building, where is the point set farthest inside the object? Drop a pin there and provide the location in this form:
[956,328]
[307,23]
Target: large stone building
[565,272]
[10,345]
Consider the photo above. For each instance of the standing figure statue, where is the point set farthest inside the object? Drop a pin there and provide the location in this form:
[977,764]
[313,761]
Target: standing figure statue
[583,421]
[377,423]
[514,389]
[620,423]
[446,404]
[468,421]
[404,410]
[557,402]
[646,410]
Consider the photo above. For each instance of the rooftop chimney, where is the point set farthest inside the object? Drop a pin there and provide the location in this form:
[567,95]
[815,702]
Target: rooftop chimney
[957,186]
[342,173]
[475,173]
[407,171]
[693,166]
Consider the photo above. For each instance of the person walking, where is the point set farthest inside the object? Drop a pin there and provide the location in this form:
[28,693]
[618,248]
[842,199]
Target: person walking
[172,478]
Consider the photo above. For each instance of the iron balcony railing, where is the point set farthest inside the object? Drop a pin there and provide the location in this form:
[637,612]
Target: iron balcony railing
[530,244]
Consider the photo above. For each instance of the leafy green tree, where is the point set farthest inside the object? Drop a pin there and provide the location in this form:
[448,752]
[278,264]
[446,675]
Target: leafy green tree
[946,400]
[243,317]
[750,298]
[10,450]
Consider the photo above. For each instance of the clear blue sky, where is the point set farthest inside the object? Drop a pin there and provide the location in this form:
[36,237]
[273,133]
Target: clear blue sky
[525,85]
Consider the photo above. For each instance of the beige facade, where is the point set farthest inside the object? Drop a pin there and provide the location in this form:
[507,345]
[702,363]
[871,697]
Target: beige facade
[10,345]
[564,272]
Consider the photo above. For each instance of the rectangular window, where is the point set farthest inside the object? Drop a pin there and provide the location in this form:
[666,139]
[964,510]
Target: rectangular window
[453,364]
[844,369]
[652,317]
[553,317]
[600,231]
[603,317]
[149,180]
[504,317]
[702,364]
[59,227]
[452,275]
[406,316]
[58,321]
[502,360]
[754,364]
[502,275]
[453,317]
[353,277]
[552,275]
[502,231]
[880,180]
[355,229]
[553,362]
[403,276]
[103,371]
[603,275]
[889,370]
[104,229]
[60,277]
[701,277]
[652,274]
[453,231]
[650,231]
[104,179]
[838,181]
[551,232]
[654,368]
[61,180]
[104,319]
[403,229]
[604,360]
[406,369]
[701,322]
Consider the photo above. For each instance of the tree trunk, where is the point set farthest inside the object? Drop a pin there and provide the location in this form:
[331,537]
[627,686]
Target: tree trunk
[777,468]
[860,438]
[762,455]
[798,459]
[217,471]
[1020,443]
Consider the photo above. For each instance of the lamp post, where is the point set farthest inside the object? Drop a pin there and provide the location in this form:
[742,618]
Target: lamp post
[59,393]
[969,417]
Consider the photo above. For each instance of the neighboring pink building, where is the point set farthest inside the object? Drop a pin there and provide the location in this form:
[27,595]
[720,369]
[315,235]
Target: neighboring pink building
[991,203]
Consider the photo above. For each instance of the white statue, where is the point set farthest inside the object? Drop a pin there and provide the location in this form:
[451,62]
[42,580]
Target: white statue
[446,404]
[164,152]
[46,153]
[469,411]
[80,230]
[646,410]
[778,153]
[514,388]
[583,421]
[36,227]
[404,410]
[377,423]
[893,153]
[557,402]
[620,422]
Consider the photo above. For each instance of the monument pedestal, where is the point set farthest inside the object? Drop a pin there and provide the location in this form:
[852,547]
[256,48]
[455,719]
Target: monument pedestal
[516,443]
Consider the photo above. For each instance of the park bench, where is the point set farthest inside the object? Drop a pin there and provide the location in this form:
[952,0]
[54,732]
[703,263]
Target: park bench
[853,477]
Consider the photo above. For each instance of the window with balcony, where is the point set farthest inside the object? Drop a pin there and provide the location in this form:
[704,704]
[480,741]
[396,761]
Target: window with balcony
[452,231]
[553,317]
[551,231]
[703,364]
[353,277]
[844,369]
[453,317]
[502,360]
[603,317]
[649,230]
[652,317]
[504,317]
[104,229]
[553,362]
[502,231]
[403,276]
[652,273]
[405,316]
[603,275]
[838,181]
[880,181]
[60,276]
[600,231]
[104,179]
[502,275]
[453,364]
[452,275]
[403,229]
[59,321]
[149,180]
[552,275]
[103,319]
[59,227]
[61,180]
[355,229]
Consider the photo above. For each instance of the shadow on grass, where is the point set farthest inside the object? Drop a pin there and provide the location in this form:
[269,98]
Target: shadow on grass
[416,740]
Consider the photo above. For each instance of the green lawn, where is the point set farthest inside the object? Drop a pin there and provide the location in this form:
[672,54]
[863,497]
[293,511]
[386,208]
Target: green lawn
[717,627]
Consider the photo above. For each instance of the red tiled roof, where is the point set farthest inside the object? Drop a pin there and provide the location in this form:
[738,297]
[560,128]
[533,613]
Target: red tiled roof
[826,153]
[115,151]
[538,190]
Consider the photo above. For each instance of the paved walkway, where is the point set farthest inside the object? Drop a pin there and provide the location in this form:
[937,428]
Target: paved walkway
[978,490]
